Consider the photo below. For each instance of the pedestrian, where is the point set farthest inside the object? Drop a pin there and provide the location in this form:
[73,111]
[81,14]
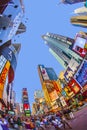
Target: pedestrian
[64,122]
[4,124]
[19,123]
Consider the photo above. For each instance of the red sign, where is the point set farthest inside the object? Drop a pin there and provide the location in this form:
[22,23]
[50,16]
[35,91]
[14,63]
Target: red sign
[74,86]
[26,106]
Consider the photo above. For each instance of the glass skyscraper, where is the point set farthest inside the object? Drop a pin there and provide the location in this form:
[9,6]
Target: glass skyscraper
[61,48]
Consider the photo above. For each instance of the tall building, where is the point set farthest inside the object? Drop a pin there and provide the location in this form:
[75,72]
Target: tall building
[81,11]
[50,86]
[61,48]
[8,63]
[25,101]
[46,73]
[72,1]
[38,107]
[80,20]
[11,14]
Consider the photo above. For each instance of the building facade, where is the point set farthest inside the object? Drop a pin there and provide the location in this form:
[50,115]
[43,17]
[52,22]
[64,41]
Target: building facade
[25,101]
[8,63]
[61,48]
[50,86]
[10,19]
[72,1]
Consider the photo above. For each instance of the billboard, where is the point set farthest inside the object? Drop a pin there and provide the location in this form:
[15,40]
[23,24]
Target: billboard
[53,95]
[26,107]
[71,69]
[25,100]
[80,45]
[68,91]
[63,102]
[10,56]
[44,72]
[81,75]
[3,77]
[74,86]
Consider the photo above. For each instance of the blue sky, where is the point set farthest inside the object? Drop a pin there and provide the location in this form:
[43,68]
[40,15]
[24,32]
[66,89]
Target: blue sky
[43,16]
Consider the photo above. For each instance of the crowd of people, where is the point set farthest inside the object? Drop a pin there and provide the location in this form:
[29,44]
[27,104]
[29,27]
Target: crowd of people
[36,122]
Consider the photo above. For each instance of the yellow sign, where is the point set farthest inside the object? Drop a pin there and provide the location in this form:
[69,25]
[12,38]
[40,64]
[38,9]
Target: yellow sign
[3,77]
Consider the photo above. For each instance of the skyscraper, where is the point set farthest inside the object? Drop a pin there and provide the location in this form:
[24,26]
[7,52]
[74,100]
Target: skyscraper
[49,84]
[8,63]
[81,11]
[61,48]
[11,14]
[72,1]
[25,101]
[80,20]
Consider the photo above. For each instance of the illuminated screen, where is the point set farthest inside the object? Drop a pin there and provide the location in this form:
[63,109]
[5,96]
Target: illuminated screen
[74,85]
[26,107]
[11,112]
[80,46]
[27,112]
[68,74]
[81,75]
[53,95]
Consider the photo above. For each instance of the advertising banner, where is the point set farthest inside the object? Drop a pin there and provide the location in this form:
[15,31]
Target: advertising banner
[44,73]
[10,56]
[53,95]
[3,77]
[74,86]
[71,69]
[80,45]
[25,101]
[81,75]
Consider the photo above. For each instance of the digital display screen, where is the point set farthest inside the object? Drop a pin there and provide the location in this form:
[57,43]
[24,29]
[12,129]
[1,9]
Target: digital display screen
[81,75]
[26,106]
[80,45]
[11,112]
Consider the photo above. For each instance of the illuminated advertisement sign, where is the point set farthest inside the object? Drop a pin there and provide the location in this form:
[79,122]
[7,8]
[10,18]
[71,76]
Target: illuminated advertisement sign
[9,55]
[74,86]
[26,106]
[27,113]
[56,86]
[3,77]
[63,101]
[53,95]
[44,73]
[71,69]
[80,45]
[64,93]
[25,93]
[68,91]
[81,75]
[49,87]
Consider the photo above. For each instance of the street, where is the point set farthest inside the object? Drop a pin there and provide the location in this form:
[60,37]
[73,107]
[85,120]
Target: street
[78,123]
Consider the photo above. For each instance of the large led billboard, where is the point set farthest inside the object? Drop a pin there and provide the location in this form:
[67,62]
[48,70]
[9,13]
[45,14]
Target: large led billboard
[71,69]
[44,72]
[53,95]
[10,55]
[74,86]
[3,77]
[81,75]
[80,45]
[25,100]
